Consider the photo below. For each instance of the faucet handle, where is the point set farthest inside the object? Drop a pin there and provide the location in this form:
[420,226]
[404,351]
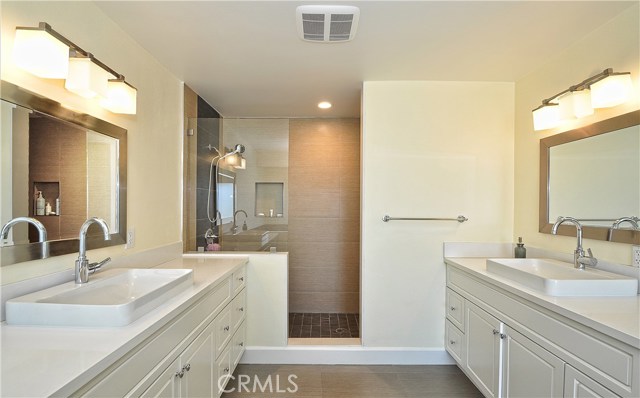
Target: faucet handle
[93,267]
[588,259]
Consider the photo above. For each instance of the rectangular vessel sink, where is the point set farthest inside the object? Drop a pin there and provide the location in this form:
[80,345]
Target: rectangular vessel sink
[557,278]
[108,300]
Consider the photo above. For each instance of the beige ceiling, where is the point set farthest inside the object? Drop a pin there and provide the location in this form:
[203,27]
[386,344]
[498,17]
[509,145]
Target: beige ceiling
[246,59]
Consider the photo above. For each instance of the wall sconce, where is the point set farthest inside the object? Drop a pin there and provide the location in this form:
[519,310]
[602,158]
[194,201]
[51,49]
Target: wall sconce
[41,52]
[45,53]
[604,90]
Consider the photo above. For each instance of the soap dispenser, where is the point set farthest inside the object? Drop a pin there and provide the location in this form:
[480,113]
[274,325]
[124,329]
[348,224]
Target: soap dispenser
[520,251]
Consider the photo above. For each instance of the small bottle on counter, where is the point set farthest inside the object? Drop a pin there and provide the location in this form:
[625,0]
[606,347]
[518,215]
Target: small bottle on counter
[520,251]
[40,202]
[47,209]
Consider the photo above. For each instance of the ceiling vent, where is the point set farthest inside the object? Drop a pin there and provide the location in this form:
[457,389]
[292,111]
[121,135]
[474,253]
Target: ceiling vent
[327,24]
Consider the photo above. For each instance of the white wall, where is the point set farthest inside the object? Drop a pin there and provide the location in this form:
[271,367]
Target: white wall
[614,45]
[154,134]
[429,149]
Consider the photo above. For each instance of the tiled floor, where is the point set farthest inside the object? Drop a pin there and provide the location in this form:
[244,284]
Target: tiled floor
[324,325]
[350,381]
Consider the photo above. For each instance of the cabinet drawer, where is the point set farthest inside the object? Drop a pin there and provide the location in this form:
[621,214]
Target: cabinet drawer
[454,342]
[237,345]
[223,371]
[455,308]
[238,310]
[223,331]
[239,280]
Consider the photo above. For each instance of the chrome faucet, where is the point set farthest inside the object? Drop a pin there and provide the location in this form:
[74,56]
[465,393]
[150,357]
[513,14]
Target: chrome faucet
[83,268]
[579,258]
[616,225]
[234,228]
[42,231]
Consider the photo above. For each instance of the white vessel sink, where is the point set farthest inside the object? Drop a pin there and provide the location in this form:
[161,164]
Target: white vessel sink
[557,278]
[115,298]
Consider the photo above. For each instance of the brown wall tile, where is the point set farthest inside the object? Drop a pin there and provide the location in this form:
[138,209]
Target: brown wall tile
[324,215]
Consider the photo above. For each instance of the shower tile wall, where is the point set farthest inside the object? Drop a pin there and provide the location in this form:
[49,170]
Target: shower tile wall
[324,215]
[208,133]
[204,121]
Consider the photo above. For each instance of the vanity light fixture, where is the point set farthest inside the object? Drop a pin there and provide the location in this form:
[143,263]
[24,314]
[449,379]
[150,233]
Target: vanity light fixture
[87,78]
[41,51]
[604,90]
[121,97]
[45,53]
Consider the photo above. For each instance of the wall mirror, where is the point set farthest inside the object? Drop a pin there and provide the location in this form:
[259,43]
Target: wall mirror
[593,174]
[77,163]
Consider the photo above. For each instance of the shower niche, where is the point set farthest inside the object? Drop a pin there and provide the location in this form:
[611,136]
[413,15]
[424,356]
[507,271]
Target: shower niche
[269,199]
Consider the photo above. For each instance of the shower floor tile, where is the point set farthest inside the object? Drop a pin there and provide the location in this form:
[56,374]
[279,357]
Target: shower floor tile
[324,325]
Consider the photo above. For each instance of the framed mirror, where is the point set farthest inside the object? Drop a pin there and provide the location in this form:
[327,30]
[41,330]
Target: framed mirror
[75,162]
[593,174]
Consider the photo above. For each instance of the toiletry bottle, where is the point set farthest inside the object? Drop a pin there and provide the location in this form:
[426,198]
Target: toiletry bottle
[47,209]
[520,251]
[40,204]
[58,206]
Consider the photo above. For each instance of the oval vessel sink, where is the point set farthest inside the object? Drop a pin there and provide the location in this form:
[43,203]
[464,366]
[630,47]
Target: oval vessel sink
[116,297]
[557,278]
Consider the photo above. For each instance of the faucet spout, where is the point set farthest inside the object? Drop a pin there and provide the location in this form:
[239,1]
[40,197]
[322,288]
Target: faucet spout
[82,263]
[42,231]
[234,227]
[634,221]
[579,258]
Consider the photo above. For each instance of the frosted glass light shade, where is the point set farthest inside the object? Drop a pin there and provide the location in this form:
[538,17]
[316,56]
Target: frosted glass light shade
[121,98]
[575,104]
[611,91]
[86,78]
[242,165]
[582,103]
[40,54]
[546,117]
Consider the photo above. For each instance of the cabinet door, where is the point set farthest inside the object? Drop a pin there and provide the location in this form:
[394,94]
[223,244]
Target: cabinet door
[578,385]
[167,385]
[528,369]
[482,346]
[198,365]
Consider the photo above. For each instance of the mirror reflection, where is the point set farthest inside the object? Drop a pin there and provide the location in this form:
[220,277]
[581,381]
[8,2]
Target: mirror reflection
[59,168]
[593,175]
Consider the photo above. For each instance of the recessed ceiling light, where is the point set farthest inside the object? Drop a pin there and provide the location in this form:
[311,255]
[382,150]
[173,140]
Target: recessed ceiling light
[324,105]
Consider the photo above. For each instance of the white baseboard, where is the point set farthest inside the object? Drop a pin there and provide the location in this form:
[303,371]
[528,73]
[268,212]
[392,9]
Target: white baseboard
[345,355]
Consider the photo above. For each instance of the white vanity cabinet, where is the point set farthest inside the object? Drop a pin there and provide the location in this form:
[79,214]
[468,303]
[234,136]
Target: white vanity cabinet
[511,347]
[187,356]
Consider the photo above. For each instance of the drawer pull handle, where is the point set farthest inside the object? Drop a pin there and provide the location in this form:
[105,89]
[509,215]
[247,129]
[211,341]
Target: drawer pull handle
[187,367]
[241,309]
[241,344]
[502,335]
[180,374]
[226,328]
[452,342]
[241,279]
[226,370]
[452,308]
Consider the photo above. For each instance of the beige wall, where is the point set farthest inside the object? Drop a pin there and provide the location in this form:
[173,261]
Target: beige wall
[324,215]
[154,134]
[614,45]
[429,149]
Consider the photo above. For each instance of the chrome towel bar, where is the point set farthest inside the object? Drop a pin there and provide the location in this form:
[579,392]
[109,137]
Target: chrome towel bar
[460,219]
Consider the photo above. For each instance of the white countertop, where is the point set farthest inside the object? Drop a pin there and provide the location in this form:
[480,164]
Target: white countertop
[618,317]
[42,361]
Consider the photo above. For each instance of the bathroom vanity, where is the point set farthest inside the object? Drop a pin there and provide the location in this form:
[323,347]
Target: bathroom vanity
[181,348]
[512,340]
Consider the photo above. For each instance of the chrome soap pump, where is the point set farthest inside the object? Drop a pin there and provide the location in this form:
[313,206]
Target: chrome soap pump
[520,251]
